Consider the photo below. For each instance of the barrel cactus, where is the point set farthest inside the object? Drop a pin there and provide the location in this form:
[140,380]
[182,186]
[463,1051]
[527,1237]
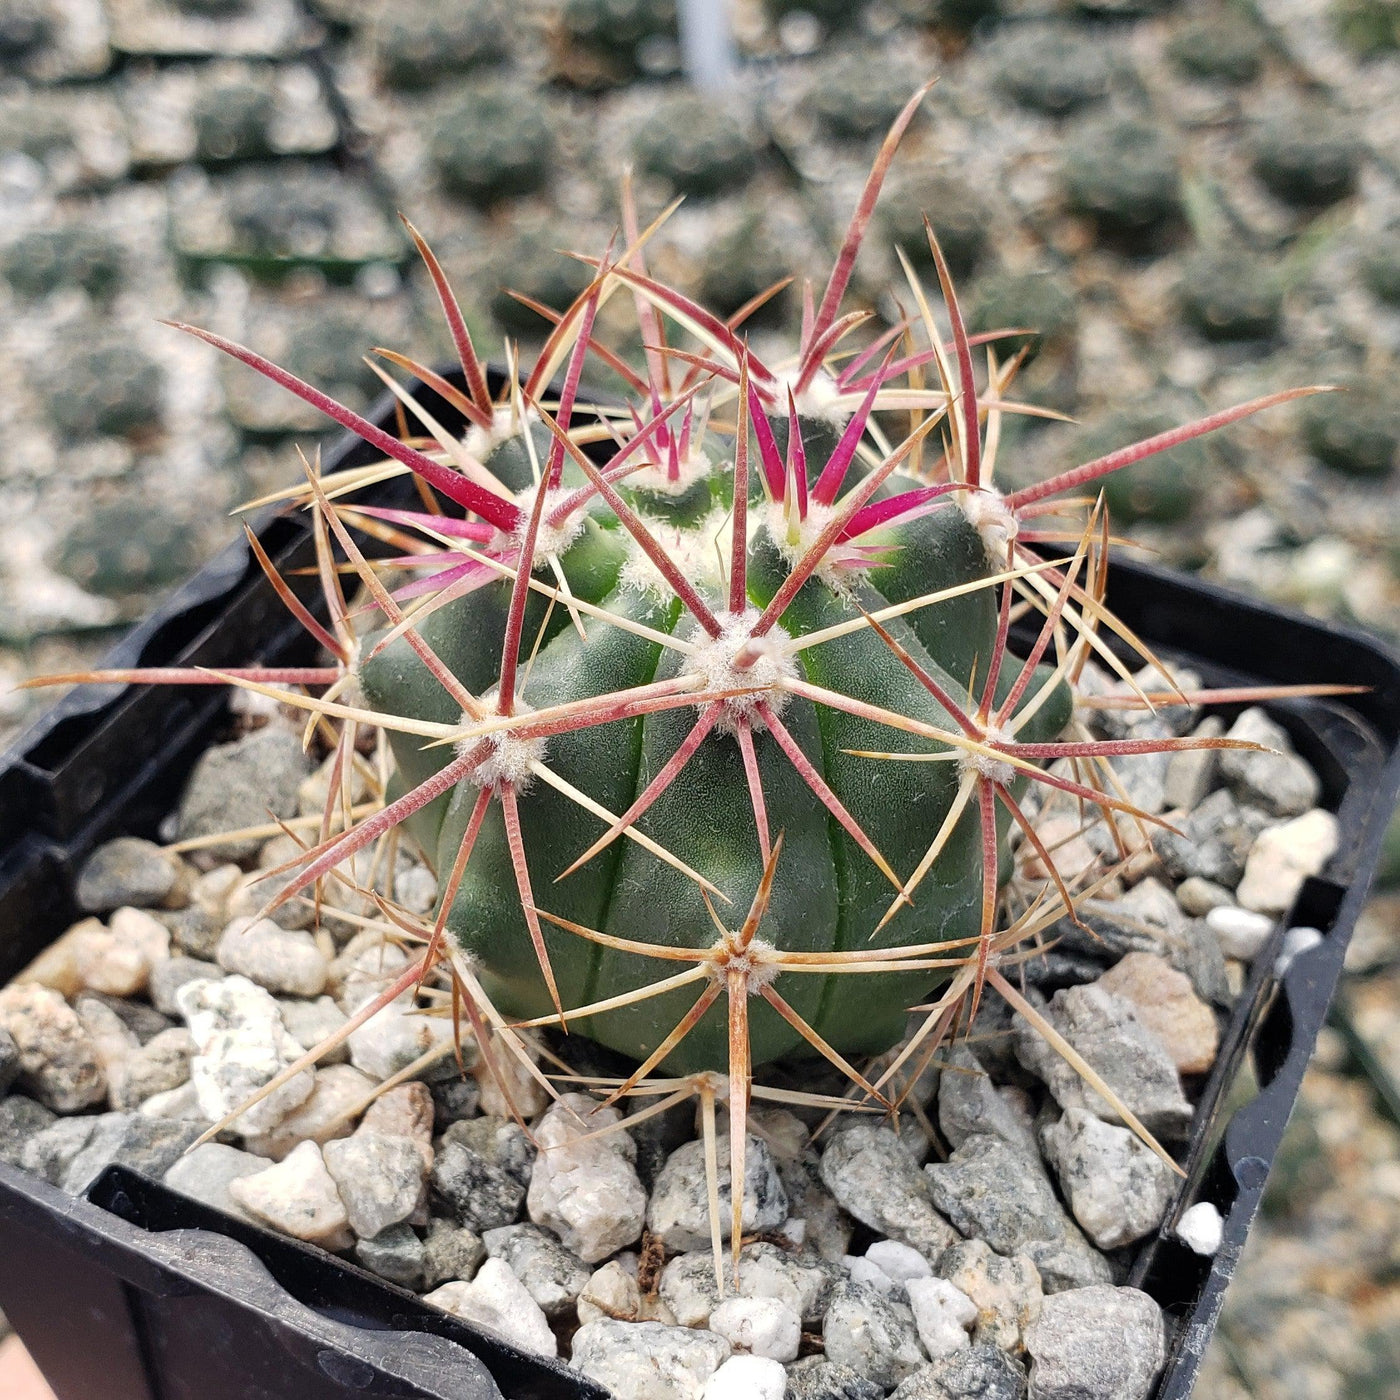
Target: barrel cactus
[702,708]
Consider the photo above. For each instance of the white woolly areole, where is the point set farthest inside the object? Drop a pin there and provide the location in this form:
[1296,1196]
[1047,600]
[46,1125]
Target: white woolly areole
[695,466]
[993,769]
[481,442]
[508,760]
[988,514]
[755,963]
[737,658]
[820,399]
[808,531]
[549,539]
[700,554]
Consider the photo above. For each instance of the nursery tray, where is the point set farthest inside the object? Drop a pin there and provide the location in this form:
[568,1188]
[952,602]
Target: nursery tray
[135,1293]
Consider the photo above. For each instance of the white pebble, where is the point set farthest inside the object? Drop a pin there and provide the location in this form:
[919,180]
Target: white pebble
[282,960]
[496,1300]
[1283,856]
[901,1262]
[943,1314]
[763,1326]
[1201,1228]
[864,1270]
[1296,942]
[747,1378]
[298,1197]
[1241,933]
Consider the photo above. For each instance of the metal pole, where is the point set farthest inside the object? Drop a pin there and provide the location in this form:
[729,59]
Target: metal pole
[707,44]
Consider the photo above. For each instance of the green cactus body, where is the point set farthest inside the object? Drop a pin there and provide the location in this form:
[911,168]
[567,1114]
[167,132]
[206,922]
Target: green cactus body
[828,894]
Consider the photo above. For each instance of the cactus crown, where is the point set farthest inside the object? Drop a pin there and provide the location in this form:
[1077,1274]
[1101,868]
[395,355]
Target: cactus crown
[702,707]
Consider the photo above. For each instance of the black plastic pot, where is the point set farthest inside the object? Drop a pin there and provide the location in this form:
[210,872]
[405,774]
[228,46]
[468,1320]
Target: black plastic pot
[134,1293]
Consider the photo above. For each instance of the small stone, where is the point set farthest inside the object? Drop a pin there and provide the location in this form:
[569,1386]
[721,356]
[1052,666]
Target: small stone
[747,1378]
[114,1041]
[979,1372]
[404,1111]
[298,1197]
[396,1037]
[585,1188]
[1214,840]
[874,1177]
[1169,1007]
[1279,782]
[148,1145]
[144,1021]
[679,1213]
[415,887]
[206,1173]
[474,1191]
[611,1292]
[10,1062]
[553,1276]
[969,1103]
[943,1314]
[998,1193]
[169,976]
[1200,1228]
[87,957]
[1296,942]
[648,1360]
[129,871]
[898,1261]
[496,1300]
[311,1022]
[21,1119]
[865,1270]
[1242,932]
[1198,897]
[242,1046]
[826,1227]
[181,1103]
[1006,1291]
[324,1115]
[500,1141]
[1097,1343]
[197,929]
[395,1254]
[451,1252]
[59,1062]
[872,1334]
[237,785]
[282,960]
[816,1378]
[512,1089]
[1106,1031]
[762,1326]
[49,1152]
[798,1279]
[454,1099]
[1191,772]
[364,968]
[160,1065]
[380,1179]
[139,941]
[1116,1186]
[1283,857]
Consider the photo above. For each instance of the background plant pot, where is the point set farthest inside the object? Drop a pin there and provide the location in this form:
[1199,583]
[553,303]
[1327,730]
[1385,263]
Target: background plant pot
[131,1293]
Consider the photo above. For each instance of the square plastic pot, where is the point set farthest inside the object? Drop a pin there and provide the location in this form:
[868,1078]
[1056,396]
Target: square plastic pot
[135,1293]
